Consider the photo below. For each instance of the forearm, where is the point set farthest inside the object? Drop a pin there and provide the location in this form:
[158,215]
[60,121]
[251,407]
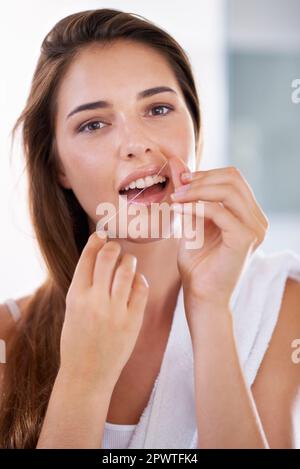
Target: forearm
[226,412]
[75,416]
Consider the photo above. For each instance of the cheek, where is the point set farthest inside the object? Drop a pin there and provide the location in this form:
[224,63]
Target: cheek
[90,176]
[181,142]
[83,158]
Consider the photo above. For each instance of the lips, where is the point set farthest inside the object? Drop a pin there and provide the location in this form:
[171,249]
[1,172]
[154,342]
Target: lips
[147,196]
[141,173]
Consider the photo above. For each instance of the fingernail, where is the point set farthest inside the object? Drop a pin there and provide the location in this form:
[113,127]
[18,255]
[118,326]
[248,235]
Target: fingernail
[177,195]
[102,234]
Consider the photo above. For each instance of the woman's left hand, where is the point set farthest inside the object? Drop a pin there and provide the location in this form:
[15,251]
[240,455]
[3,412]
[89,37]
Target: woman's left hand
[234,226]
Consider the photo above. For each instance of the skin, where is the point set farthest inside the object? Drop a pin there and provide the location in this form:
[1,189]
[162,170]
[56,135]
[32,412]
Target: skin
[233,231]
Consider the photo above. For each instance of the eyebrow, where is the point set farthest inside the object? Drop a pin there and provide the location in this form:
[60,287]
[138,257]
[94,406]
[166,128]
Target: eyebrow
[106,104]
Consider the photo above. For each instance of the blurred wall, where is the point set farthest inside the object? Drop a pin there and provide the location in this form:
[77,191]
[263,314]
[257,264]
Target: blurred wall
[264,121]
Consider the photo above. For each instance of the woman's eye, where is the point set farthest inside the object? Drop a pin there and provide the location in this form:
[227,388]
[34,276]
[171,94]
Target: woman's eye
[160,107]
[91,126]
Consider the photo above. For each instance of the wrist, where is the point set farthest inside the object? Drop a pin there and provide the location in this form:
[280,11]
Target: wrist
[213,300]
[198,305]
[208,316]
[77,386]
[208,320]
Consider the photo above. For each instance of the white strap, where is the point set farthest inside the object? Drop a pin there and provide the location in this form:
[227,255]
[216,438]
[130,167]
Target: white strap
[13,309]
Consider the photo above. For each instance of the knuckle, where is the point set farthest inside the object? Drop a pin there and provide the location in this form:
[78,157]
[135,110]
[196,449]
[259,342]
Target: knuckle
[217,207]
[233,171]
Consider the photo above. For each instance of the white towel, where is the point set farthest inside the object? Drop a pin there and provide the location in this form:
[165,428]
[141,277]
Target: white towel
[169,419]
[257,304]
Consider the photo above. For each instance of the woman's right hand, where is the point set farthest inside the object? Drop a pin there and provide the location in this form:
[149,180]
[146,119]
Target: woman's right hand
[104,312]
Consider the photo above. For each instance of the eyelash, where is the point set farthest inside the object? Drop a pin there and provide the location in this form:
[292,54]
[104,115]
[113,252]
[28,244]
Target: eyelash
[83,126]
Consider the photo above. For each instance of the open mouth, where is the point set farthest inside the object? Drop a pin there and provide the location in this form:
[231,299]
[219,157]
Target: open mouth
[146,195]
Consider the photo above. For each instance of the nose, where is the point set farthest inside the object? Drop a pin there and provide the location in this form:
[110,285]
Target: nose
[134,142]
[136,149]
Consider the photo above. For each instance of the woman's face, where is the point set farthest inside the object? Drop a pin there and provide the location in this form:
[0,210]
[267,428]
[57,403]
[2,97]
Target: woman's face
[99,146]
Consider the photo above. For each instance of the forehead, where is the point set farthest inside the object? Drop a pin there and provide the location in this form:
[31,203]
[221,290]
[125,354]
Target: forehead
[114,71]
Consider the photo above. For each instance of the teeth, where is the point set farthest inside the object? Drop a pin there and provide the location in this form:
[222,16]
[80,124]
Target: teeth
[148,181]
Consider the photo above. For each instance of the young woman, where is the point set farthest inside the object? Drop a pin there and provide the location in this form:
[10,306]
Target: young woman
[141,342]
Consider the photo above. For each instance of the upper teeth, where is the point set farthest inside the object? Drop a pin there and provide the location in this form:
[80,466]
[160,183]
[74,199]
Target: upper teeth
[145,182]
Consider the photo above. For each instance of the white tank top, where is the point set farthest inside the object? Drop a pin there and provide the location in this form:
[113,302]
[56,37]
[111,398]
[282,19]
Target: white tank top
[117,436]
[114,436]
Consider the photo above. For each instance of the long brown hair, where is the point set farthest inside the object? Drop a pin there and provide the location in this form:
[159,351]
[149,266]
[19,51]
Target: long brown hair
[60,223]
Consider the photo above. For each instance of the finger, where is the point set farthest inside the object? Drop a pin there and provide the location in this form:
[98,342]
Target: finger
[105,266]
[231,175]
[139,295]
[177,166]
[229,196]
[123,279]
[234,233]
[83,274]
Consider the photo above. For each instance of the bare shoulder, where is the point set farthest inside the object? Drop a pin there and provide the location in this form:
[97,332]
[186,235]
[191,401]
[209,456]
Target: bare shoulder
[276,389]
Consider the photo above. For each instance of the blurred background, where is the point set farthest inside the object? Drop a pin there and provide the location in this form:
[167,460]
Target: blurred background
[246,61]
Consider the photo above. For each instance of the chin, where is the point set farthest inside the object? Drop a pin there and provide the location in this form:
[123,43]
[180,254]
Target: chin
[158,234]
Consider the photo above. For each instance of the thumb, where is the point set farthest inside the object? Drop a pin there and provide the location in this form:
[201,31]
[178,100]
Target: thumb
[177,166]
